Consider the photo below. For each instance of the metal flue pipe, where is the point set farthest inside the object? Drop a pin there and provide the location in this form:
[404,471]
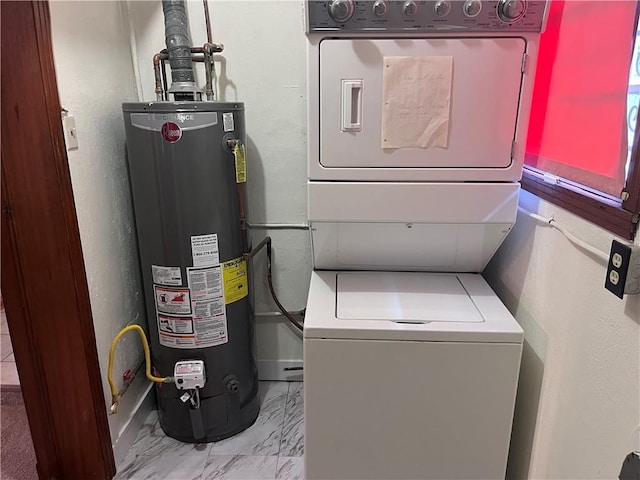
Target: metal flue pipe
[179,48]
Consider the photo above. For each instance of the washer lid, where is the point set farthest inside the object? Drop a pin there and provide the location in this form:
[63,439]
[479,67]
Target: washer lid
[406,306]
[403,298]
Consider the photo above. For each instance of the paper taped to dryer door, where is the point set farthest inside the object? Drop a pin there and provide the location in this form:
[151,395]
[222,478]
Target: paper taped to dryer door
[416,101]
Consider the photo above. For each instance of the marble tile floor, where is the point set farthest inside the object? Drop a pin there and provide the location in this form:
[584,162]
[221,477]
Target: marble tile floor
[272,448]
[8,372]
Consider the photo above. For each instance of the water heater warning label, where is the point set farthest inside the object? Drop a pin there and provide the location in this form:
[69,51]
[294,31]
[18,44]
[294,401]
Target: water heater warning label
[166,275]
[236,286]
[241,163]
[205,322]
[227,122]
[204,250]
[207,300]
[173,301]
[175,325]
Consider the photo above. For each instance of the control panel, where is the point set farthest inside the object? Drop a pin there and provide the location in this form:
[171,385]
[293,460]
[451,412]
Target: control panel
[189,374]
[425,16]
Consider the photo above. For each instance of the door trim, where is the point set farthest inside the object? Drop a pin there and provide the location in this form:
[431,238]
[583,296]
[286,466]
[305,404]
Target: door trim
[43,277]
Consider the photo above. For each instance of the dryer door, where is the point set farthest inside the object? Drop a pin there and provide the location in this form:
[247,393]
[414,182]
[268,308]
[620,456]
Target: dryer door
[483,78]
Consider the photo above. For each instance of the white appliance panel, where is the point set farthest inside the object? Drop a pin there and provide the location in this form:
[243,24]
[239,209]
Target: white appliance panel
[459,324]
[401,246]
[453,227]
[396,409]
[486,85]
[403,298]
[441,202]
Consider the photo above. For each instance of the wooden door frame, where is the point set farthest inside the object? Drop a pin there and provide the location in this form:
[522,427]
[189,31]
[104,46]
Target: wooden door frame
[44,284]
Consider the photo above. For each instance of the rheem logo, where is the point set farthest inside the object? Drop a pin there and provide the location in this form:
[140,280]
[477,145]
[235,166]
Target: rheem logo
[171,132]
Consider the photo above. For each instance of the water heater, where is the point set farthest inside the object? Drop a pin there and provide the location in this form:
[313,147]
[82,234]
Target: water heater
[187,171]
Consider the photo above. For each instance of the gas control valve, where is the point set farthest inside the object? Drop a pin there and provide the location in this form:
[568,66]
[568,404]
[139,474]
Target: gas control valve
[189,374]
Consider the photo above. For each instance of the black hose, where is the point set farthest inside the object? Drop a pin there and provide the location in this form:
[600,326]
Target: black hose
[267,242]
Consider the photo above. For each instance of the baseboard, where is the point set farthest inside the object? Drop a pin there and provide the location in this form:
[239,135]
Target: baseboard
[130,430]
[10,388]
[275,370]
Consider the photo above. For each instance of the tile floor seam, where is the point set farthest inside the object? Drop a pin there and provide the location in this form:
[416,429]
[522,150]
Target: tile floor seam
[201,474]
[234,461]
[292,444]
[275,467]
[284,419]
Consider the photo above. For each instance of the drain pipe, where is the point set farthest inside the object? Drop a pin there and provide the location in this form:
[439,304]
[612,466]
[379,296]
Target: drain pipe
[178,42]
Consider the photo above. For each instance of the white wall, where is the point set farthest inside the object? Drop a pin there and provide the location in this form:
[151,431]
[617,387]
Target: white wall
[95,75]
[578,403]
[264,66]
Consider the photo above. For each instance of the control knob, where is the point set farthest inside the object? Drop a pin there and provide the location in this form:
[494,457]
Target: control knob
[511,10]
[341,10]
[442,8]
[472,8]
[380,8]
[410,8]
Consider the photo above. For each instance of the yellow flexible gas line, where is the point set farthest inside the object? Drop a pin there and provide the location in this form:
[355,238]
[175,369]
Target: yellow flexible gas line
[115,396]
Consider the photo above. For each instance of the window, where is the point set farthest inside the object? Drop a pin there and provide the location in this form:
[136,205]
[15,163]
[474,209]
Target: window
[582,147]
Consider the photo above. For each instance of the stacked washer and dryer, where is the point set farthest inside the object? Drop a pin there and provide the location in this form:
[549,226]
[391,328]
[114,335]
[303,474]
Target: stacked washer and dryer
[417,121]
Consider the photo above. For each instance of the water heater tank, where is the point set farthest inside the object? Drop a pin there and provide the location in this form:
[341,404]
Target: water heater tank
[187,207]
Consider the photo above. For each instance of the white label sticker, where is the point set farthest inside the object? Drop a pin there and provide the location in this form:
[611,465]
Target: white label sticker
[175,325]
[227,122]
[204,250]
[166,275]
[186,367]
[174,301]
[209,311]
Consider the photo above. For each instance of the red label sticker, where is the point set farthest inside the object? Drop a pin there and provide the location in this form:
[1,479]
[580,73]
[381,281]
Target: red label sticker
[171,132]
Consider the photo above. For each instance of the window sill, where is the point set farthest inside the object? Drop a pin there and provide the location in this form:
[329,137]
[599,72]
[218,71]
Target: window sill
[615,219]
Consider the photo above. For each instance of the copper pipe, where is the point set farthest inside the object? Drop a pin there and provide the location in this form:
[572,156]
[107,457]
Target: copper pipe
[218,47]
[156,74]
[232,143]
[243,217]
[207,19]
[198,57]
[208,48]
[202,54]
[209,77]
[266,242]
[159,56]
[156,71]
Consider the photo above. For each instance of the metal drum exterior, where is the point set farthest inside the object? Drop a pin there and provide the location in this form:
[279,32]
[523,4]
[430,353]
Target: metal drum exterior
[184,185]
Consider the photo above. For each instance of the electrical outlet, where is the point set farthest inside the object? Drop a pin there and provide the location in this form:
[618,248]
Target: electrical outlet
[623,270]
[616,259]
[69,131]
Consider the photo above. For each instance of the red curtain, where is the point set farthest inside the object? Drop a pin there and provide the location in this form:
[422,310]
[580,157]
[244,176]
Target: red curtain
[578,127]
